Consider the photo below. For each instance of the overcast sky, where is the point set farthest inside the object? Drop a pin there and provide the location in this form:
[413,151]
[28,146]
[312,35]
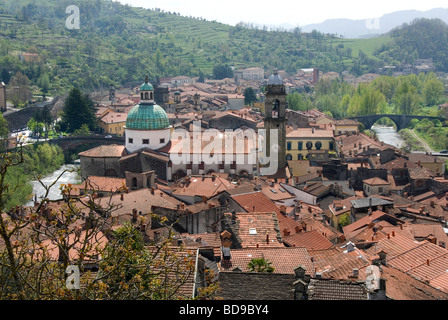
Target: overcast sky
[294,12]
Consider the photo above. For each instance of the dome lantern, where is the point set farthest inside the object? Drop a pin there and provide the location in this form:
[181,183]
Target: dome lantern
[146,92]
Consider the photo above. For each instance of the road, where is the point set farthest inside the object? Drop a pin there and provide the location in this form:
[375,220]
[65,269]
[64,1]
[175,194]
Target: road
[423,142]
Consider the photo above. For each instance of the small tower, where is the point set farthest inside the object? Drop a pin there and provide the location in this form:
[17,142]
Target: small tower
[2,97]
[112,94]
[275,115]
[147,93]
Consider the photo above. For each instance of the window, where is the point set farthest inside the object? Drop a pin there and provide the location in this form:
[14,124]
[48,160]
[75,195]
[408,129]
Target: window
[252,231]
[146,96]
[318,145]
[300,145]
[288,145]
[331,146]
[162,140]
[309,145]
[380,189]
[288,157]
[131,140]
[145,141]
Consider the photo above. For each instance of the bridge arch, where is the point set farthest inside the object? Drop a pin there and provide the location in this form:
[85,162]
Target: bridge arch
[400,120]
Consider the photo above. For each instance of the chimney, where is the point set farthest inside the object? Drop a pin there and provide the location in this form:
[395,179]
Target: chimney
[267,239]
[383,255]
[233,217]
[152,190]
[121,197]
[134,215]
[318,275]
[355,273]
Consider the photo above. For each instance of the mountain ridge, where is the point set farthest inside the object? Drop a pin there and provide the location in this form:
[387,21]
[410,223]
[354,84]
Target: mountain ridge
[362,28]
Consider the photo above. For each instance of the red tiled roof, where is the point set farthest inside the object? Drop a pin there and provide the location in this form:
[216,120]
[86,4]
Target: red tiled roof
[257,229]
[103,183]
[312,240]
[202,186]
[375,181]
[105,151]
[256,202]
[284,260]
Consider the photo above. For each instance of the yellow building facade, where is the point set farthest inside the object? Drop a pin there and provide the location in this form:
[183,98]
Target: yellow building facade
[304,141]
[113,123]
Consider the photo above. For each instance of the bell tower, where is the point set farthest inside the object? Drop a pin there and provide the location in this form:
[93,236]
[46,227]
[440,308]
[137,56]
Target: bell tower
[2,97]
[275,115]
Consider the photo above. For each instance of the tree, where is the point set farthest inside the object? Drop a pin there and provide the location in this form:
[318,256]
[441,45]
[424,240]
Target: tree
[297,101]
[433,92]
[46,118]
[20,87]
[222,71]
[249,96]
[3,127]
[40,243]
[78,110]
[260,265]
[201,78]
[5,76]
[44,83]
[407,98]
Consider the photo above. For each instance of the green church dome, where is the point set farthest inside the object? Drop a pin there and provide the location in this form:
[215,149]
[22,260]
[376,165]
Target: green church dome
[146,86]
[147,117]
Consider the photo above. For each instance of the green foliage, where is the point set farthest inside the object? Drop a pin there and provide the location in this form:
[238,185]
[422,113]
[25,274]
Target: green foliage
[78,111]
[5,76]
[222,71]
[3,127]
[345,220]
[299,101]
[260,265]
[433,92]
[249,96]
[39,159]
[420,39]
[83,131]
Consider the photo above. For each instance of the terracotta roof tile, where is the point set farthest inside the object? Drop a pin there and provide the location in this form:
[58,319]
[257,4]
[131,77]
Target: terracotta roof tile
[259,229]
[284,260]
[105,151]
[201,186]
[256,202]
[312,240]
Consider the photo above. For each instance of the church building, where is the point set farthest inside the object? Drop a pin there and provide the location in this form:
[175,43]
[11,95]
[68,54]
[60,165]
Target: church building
[150,146]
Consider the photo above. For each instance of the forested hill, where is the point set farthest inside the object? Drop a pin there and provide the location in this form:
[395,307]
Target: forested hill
[118,44]
[422,38]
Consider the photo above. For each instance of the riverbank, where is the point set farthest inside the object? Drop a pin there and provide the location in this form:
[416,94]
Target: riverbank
[67,173]
[412,143]
[39,160]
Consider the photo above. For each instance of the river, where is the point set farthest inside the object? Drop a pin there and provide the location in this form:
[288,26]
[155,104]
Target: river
[55,192]
[389,135]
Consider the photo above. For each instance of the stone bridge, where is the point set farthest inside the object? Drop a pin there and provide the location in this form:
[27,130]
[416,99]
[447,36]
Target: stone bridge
[72,142]
[400,120]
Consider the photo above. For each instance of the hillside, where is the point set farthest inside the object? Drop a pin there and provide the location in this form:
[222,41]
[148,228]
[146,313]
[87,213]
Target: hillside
[118,44]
